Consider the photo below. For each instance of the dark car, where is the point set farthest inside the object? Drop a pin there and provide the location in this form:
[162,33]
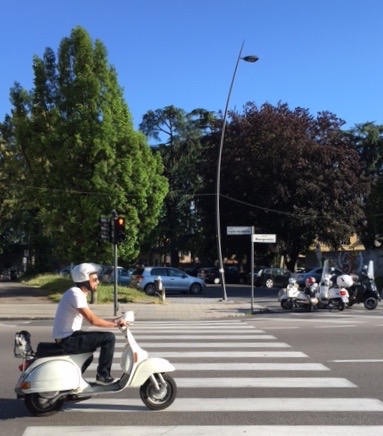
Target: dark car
[272,277]
[212,275]
[255,272]
[314,272]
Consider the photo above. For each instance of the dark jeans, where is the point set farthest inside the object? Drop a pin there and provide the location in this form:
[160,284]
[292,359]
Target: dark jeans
[89,341]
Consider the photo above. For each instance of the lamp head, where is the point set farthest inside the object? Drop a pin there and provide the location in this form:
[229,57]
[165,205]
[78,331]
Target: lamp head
[251,58]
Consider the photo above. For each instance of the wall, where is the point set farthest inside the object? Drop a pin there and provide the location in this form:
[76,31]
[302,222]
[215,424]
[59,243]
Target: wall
[349,261]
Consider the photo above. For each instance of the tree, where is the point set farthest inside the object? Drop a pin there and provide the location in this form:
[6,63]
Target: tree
[289,174]
[78,154]
[179,228]
[368,139]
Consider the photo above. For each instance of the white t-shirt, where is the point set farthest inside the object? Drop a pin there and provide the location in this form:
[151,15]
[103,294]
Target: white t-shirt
[68,319]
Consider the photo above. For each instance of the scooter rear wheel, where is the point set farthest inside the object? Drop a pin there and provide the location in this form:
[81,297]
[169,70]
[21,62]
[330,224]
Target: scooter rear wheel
[370,303]
[43,406]
[159,399]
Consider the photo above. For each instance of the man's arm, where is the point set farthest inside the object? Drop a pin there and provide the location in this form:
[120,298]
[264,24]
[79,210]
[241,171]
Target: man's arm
[95,320]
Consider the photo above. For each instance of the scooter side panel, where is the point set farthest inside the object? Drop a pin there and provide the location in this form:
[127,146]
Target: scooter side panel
[54,375]
[148,367]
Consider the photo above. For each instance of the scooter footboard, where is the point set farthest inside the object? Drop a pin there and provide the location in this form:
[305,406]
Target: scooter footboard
[148,367]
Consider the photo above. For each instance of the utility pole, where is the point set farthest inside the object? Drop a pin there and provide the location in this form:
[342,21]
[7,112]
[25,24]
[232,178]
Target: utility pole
[115,261]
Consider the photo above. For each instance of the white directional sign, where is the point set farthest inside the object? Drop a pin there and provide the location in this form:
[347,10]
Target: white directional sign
[267,239]
[239,230]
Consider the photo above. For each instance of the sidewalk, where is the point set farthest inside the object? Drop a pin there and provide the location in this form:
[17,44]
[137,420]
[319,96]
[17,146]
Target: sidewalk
[24,303]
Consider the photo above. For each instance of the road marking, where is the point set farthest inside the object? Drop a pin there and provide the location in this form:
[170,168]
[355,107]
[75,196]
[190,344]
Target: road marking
[265,382]
[214,345]
[283,328]
[334,326]
[225,354]
[338,319]
[202,336]
[198,327]
[235,366]
[209,430]
[358,361]
[275,404]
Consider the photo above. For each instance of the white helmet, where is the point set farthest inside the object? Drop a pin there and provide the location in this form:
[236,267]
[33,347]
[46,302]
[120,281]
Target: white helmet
[344,281]
[80,273]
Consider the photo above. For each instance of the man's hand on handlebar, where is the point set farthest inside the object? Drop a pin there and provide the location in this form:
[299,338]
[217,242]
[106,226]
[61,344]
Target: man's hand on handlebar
[120,322]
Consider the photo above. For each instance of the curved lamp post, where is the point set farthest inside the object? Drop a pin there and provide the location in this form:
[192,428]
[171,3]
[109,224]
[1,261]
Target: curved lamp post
[218,185]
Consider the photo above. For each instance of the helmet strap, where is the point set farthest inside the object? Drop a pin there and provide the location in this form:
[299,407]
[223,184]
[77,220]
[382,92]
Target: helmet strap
[85,285]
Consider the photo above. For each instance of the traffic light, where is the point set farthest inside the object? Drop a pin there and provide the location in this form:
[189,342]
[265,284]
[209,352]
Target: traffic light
[106,229]
[119,229]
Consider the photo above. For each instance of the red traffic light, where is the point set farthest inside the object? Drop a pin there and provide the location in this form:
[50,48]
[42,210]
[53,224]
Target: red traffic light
[119,229]
[121,221]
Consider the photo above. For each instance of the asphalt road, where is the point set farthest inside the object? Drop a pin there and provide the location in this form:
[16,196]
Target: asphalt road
[274,370]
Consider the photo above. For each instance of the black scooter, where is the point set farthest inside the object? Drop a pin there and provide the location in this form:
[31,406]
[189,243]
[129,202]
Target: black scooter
[364,289]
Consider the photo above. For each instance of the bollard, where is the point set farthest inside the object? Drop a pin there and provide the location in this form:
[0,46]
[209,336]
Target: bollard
[160,290]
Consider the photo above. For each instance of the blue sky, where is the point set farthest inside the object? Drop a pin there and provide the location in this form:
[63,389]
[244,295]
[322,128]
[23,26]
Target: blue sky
[316,54]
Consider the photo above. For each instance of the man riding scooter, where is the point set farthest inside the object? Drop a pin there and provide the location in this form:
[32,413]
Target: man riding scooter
[71,311]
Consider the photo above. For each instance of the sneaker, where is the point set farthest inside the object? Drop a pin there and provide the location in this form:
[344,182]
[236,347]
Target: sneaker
[100,380]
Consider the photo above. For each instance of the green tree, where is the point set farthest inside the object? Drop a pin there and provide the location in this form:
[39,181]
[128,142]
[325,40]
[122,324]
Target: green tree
[78,155]
[368,139]
[179,136]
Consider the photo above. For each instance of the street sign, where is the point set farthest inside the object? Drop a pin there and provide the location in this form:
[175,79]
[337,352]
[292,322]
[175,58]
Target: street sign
[239,230]
[267,239]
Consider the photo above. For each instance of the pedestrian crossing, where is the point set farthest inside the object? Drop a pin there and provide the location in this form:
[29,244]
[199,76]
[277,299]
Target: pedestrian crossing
[230,368]
[230,430]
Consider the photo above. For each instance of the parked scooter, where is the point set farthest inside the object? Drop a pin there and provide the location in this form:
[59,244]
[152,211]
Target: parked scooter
[364,289]
[329,295]
[50,377]
[293,297]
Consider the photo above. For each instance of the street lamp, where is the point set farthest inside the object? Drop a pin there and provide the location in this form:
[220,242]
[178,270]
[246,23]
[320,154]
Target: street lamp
[218,186]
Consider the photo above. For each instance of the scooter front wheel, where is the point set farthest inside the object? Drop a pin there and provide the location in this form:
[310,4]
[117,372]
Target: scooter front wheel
[40,405]
[286,304]
[159,399]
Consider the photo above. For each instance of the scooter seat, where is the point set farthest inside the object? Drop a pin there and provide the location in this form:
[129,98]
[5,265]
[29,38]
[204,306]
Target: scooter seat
[47,349]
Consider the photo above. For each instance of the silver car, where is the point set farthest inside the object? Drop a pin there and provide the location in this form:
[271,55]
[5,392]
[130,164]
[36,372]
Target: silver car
[173,279]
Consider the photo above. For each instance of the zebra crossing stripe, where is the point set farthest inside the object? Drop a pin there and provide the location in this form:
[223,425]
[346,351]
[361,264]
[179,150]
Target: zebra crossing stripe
[195,330]
[265,382]
[175,327]
[239,366]
[225,337]
[214,345]
[208,430]
[235,366]
[225,354]
[275,404]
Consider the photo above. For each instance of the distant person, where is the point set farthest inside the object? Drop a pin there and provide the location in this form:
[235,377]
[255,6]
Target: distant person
[13,275]
[71,311]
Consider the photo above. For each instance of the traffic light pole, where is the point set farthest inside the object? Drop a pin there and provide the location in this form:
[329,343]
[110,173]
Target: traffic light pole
[115,260]
[115,255]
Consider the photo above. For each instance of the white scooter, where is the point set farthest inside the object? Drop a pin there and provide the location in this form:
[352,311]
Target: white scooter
[293,297]
[329,295]
[50,377]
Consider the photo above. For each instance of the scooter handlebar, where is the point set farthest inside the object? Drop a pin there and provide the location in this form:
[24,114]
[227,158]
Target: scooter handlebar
[128,316]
